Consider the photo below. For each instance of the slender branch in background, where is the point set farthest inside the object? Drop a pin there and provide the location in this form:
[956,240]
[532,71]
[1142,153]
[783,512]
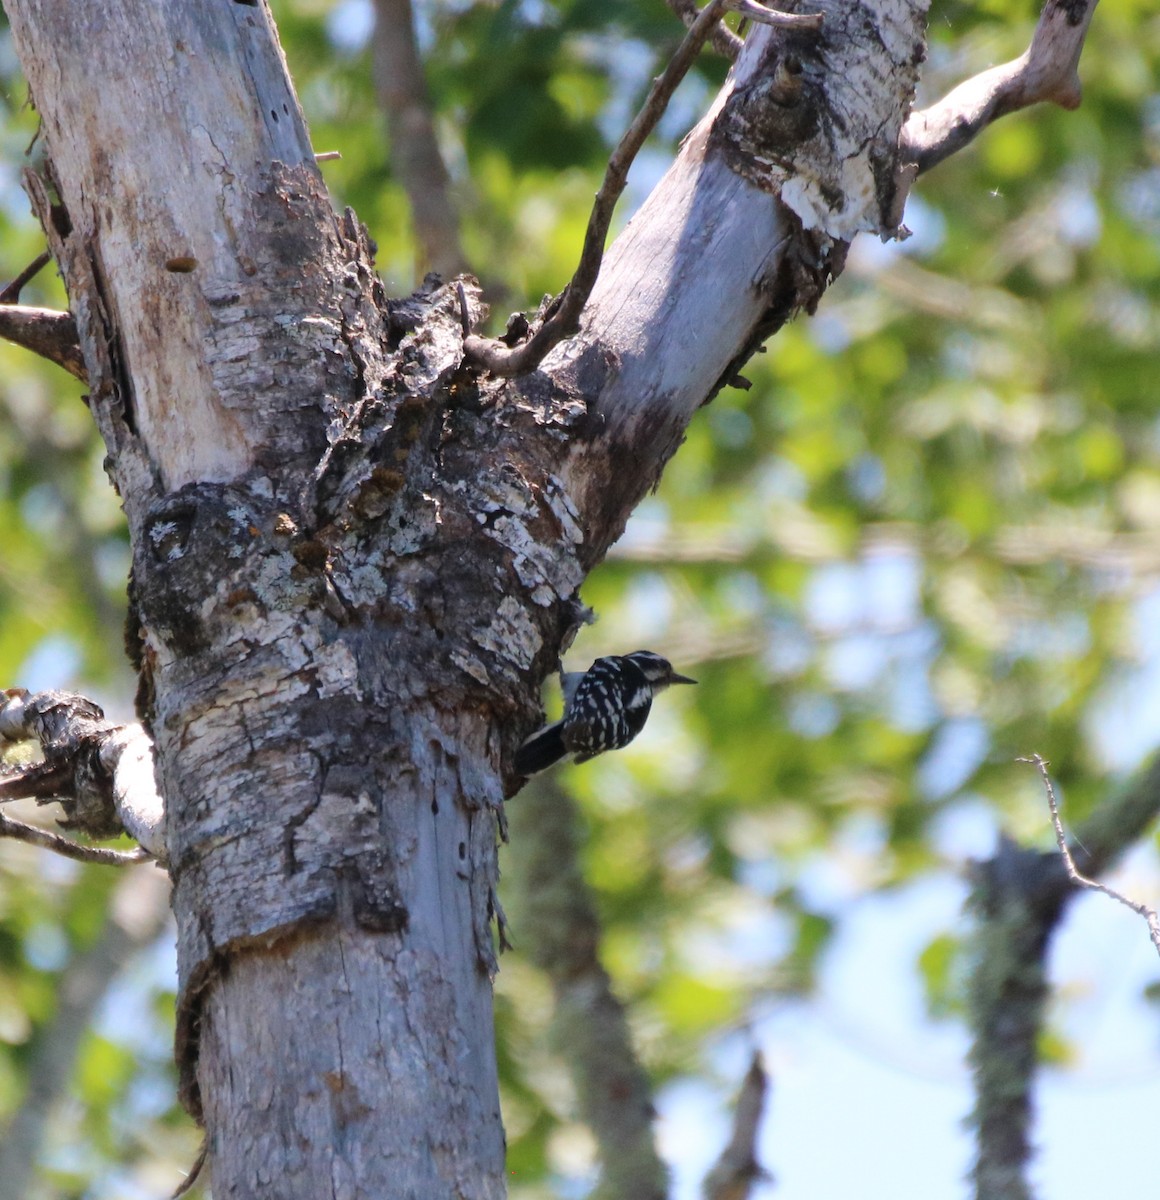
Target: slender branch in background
[722,39]
[1018,897]
[44,331]
[101,773]
[737,1170]
[137,914]
[46,840]
[556,923]
[415,156]
[563,318]
[1149,914]
[799,535]
[1047,71]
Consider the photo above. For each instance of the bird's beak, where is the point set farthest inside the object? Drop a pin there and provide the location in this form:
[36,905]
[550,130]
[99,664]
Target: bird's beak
[675,678]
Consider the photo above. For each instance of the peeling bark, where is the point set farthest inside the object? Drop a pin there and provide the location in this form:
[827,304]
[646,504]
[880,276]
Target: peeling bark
[356,556]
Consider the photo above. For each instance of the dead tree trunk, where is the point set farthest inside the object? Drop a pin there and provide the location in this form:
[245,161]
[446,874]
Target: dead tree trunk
[356,554]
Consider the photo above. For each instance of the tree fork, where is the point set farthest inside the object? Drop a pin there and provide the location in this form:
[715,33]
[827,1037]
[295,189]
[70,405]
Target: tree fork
[355,559]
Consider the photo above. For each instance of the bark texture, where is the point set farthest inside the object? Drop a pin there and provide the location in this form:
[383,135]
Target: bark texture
[356,558]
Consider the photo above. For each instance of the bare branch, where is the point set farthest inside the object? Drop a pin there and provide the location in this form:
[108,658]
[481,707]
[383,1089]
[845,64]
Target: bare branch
[722,39]
[44,331]
[415,155]
[563,319]
[761,15]
[11,294]
[1073,873]
[556,923]
[101,773]
[737,1170]
[1047,71]
[46,840]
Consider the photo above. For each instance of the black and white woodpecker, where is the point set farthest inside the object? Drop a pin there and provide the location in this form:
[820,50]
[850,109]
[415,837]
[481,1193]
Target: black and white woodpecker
[605,707]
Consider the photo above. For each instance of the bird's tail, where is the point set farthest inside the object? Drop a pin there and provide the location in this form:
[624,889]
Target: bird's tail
[541,750]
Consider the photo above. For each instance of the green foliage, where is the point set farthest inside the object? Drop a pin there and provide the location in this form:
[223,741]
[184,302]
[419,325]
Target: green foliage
[922,543]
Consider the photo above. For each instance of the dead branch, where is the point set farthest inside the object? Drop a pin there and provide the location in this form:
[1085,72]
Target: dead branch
[1047,71]
[11,294]
[761,15]
[415,156]
[1073,873]
[100,772]
[737,1170]
[47,840]
[722,39]
[44,331]
[563,319]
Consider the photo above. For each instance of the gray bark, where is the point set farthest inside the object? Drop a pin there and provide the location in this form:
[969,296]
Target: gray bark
[355,559]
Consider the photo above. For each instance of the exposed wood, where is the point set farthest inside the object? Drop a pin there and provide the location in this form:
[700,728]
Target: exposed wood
[721,254]
[214,192]
[1047,71]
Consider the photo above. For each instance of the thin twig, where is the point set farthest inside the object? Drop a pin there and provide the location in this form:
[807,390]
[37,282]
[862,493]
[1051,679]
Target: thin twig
[1073,873]
[1047,71]
[722,39]
[9,827]
[11,294]
[564,319]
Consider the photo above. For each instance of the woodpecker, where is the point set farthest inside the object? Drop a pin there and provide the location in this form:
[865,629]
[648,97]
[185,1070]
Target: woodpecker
[604,709]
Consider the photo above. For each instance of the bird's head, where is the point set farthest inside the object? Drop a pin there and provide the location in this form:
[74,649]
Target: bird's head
[658,671]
